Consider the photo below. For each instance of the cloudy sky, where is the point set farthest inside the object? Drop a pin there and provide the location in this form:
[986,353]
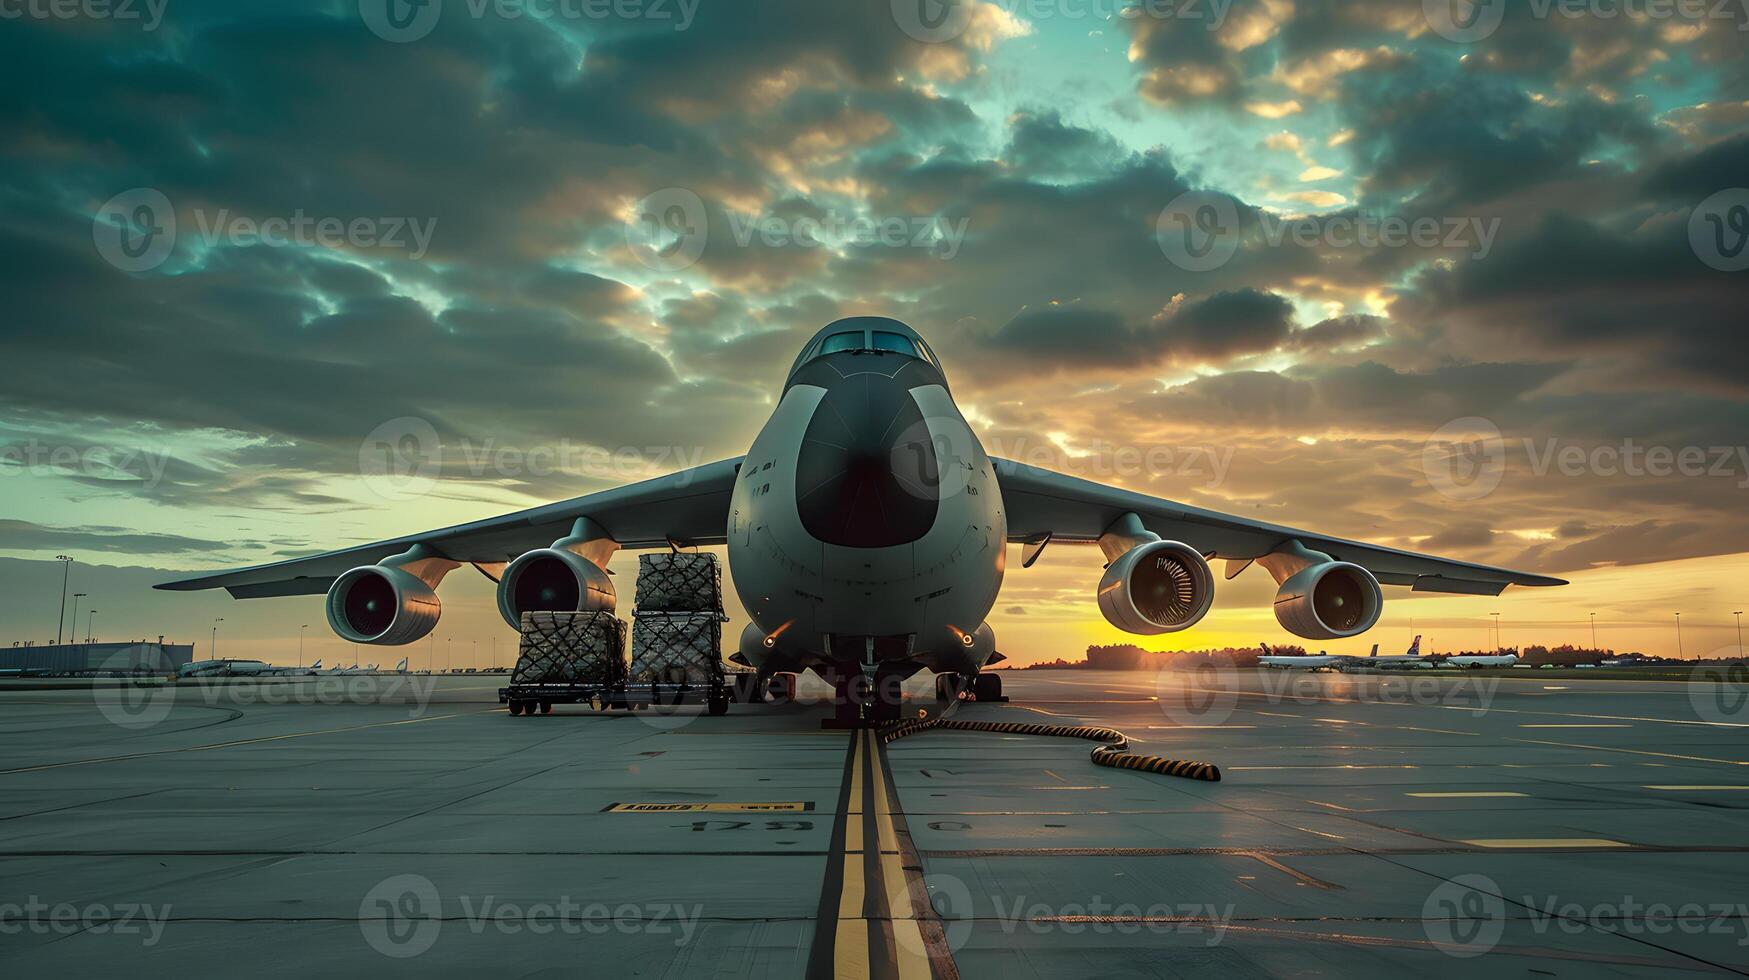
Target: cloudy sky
[1459,279]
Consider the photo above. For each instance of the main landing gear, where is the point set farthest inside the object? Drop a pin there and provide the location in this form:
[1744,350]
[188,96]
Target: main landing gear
[978,687]
[861,701]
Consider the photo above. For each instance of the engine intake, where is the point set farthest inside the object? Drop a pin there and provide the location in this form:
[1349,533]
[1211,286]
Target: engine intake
[382,605]
[553,580]
[1158,587]
[1329,601]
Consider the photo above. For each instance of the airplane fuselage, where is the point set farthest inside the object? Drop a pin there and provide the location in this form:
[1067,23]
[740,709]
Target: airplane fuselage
[866,524]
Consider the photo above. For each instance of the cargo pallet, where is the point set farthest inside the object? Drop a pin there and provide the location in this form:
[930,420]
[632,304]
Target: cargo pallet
[530,699]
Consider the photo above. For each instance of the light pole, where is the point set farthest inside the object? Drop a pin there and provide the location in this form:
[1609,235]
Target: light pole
[476,658]
[448,647]
[213,648]
[1498,646]
[1679,636]
[66,569]
[73,624]
[1594,645]
[1739,615]
[301,643]
[90,614]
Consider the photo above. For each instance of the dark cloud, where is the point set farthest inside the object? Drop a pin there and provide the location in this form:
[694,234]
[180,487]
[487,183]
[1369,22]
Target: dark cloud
[27,536]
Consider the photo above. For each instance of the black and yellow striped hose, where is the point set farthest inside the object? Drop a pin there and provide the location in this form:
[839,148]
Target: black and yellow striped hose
[1113,749]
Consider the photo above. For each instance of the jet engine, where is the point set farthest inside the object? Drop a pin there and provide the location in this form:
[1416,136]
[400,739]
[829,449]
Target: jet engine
[382,604]
[553,579]
[1328,601]
[1158,587]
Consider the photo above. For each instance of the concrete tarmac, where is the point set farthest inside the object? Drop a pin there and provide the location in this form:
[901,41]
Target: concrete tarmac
[1370,825]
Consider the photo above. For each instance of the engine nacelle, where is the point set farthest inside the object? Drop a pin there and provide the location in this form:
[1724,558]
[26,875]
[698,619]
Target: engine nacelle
[1158,587]
[553,580]
[382,605]
[1329,600]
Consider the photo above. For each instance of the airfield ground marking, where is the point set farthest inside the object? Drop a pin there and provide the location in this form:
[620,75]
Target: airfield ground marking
[244,741]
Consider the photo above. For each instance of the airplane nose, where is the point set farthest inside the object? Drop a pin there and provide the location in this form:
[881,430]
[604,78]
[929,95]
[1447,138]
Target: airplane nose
[867,473]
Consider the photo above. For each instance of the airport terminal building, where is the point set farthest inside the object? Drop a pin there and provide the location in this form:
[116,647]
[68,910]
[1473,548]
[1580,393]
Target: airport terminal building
[85,658]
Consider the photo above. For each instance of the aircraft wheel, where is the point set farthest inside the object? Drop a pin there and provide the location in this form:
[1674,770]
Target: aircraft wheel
[987,687]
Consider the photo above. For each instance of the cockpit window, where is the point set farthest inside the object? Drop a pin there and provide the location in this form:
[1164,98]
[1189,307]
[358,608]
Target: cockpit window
[928,354]
[851,340]
[896,342]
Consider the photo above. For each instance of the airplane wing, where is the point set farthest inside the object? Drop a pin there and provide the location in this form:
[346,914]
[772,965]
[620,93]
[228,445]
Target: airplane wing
[1066,508]
[691,506]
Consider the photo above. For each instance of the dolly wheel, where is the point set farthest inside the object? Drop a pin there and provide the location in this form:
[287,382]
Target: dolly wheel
[515,707]
[718,703]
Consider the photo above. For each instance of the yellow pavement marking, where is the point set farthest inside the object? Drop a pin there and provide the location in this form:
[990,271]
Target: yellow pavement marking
[1459,796]
[851,898]
[1543,842]
[1710,789]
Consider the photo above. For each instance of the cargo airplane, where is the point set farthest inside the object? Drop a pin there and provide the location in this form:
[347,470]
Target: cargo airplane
[867,535]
